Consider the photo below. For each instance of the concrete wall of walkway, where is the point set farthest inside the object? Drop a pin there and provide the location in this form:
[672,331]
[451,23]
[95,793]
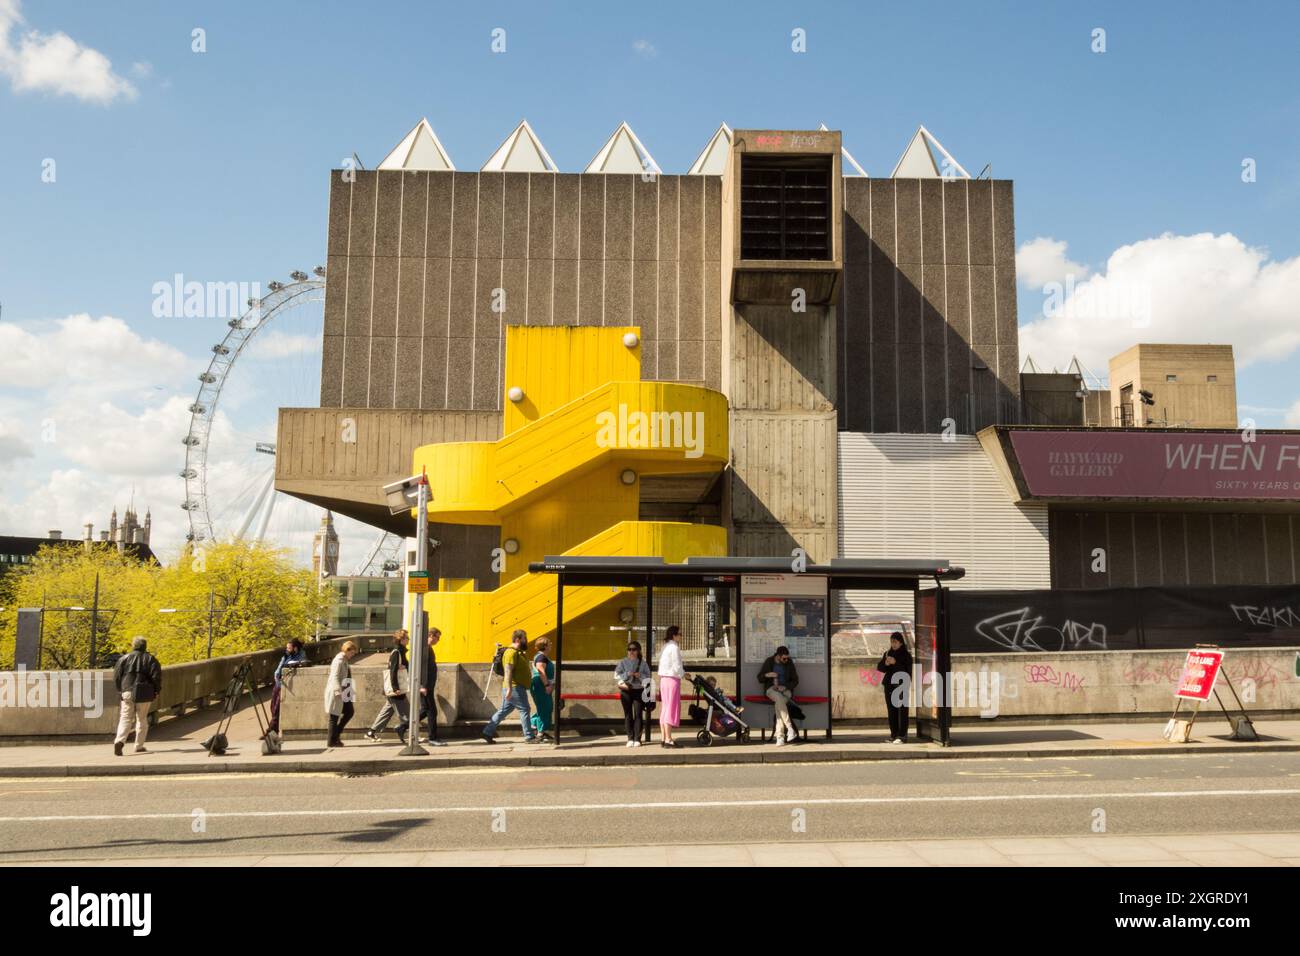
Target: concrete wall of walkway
[1084,684]
[71,703]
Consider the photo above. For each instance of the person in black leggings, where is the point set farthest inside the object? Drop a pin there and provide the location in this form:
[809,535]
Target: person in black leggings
[632,675]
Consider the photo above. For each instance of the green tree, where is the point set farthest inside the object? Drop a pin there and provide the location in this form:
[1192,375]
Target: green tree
[64,577]
[216,600]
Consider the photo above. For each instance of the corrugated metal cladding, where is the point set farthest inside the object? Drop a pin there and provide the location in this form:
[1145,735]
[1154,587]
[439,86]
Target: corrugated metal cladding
[918,496]
[427,268]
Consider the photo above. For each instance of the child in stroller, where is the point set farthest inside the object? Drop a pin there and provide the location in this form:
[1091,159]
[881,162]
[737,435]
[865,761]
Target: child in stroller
[721,718]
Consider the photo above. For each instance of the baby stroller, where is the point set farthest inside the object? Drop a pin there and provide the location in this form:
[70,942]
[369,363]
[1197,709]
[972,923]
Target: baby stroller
[721,718]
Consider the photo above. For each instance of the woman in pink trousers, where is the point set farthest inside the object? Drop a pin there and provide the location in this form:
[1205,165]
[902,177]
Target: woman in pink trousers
[671,673]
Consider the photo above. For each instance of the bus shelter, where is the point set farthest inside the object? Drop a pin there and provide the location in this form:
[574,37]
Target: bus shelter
[773,602]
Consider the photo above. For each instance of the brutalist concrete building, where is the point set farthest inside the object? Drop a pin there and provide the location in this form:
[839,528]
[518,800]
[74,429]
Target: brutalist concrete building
[862,330]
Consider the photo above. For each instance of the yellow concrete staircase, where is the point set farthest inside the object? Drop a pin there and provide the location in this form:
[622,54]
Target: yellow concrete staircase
[581,432]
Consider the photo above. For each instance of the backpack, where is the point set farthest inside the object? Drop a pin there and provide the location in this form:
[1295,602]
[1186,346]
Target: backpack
[498,667]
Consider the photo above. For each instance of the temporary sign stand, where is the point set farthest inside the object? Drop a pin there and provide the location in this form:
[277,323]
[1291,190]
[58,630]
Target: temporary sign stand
[1195,684]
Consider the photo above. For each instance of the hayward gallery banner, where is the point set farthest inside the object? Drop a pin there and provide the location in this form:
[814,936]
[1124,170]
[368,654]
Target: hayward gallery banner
[1098,464]
[1123,619]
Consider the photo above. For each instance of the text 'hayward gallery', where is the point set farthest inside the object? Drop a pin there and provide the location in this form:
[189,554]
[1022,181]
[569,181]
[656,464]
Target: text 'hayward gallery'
[772,351]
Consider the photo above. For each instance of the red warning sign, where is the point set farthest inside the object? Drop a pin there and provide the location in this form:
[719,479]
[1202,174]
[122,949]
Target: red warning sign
[1199,675]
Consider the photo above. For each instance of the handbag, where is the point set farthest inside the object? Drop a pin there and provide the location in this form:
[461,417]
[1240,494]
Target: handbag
[403,682]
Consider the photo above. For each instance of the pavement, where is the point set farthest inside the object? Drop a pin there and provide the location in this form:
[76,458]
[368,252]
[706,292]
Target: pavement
[174,748]
[1234,849]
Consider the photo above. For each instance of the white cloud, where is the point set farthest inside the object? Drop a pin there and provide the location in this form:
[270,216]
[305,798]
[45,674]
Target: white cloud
[1177,289]
[92,415]
[645,49]
[1043,260]
[12,447]
[275,344]
[82,352]
[55,63]
[1292,419]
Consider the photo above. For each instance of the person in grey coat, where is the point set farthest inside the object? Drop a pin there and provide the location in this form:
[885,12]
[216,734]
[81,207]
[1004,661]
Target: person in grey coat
[138,677]
[632,675]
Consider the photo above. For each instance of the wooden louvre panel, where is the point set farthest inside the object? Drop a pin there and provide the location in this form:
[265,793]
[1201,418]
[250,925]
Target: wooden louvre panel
[785,207]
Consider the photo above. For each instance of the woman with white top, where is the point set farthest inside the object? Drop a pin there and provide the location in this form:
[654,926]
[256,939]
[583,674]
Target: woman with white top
[671,673]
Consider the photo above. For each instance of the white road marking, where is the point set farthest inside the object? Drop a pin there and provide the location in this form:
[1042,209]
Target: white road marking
[662,805]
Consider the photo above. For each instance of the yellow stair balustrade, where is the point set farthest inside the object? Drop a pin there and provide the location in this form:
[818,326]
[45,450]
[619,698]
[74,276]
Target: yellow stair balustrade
[665,427]
[581,431]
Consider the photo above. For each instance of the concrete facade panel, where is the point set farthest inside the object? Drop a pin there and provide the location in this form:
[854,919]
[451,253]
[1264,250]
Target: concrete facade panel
[415,211]
[388,213]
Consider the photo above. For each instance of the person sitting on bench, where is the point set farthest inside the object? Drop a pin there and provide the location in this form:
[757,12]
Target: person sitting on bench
[779,678]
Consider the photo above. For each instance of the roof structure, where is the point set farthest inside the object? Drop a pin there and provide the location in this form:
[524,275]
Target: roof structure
[712,160]
[419,149]
[848,157]
[522,152]
[623,153]
[918,161]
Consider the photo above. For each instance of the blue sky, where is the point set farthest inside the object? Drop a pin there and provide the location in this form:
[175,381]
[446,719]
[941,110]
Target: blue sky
[214,164]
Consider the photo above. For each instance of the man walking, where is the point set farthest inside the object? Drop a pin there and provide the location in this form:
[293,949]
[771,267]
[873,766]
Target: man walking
[428,682]
[138,677]
[397,682]
[517,675]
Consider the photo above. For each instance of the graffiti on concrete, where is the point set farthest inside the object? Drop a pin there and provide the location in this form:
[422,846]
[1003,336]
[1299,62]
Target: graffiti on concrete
[1022,630]
[1046,674]
[1266,616]
[870,677]
[1162,672]
[1262,673]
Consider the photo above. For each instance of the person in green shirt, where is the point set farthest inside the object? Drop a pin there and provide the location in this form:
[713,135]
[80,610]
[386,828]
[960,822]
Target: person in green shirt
[516,677]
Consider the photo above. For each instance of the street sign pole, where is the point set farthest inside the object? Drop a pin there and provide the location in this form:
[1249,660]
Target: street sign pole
[417,644]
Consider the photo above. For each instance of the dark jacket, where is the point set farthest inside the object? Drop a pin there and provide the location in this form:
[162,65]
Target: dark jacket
[902,665]
[140,674]
[429,668]
[769,665]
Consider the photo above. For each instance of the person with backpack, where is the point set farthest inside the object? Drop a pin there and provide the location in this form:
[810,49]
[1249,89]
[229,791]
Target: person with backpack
[397,681]
[138,677]
[511,665]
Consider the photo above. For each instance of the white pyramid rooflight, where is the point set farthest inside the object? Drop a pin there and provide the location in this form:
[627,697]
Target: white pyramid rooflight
[712,160]
[1030,367]
[848,157]
[623,153]
[522,152]
[419,149]
[917,161]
